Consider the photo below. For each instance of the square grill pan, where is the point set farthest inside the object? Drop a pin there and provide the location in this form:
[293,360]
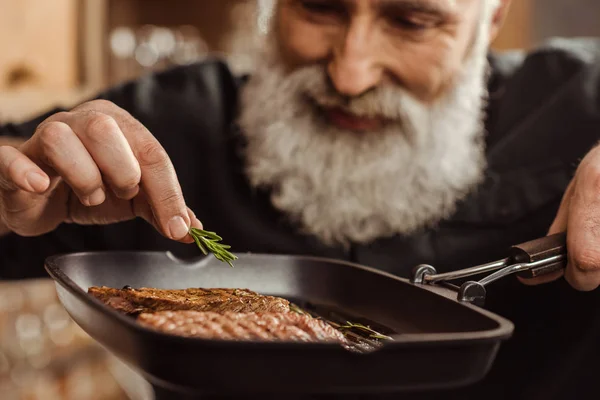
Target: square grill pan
[437,341]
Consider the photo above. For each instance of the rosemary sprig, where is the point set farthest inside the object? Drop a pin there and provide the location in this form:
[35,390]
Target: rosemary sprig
[343,328]
[295,308]
[208,242]
[298,310]
[373,334]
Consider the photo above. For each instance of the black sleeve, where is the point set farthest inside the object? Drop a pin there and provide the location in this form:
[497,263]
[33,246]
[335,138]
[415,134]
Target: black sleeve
[550,106]
[176,106]
[26,129]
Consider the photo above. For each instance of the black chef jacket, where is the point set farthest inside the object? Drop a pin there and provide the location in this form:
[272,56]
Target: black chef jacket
[543,117]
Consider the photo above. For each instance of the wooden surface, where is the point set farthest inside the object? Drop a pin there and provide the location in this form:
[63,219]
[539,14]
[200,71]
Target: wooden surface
[93,31]
[211,17]
[22,104]
[38,39]
[517,32]
[48,60]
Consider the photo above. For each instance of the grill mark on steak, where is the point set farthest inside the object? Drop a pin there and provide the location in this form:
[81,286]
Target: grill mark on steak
[146,300]
[243,327]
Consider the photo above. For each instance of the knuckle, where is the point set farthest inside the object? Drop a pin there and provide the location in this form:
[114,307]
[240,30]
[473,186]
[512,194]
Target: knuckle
[101,103]
[58,117]
[100,126]
[587,260]
[98,104]
[594,176]
[52,134]
[61,116]
[169,197]
[150,153]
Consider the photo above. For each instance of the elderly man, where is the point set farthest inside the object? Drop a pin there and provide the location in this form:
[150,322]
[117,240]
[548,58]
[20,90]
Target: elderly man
[378,131]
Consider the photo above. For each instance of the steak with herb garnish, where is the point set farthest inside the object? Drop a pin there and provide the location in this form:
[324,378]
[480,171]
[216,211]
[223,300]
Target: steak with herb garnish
[145,300]
[243,326]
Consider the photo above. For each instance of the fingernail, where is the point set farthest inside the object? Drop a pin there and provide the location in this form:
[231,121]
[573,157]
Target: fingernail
[178,229]
[38,182]
[97,197]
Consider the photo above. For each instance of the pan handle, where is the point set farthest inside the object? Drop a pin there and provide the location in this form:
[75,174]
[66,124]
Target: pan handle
[535,251]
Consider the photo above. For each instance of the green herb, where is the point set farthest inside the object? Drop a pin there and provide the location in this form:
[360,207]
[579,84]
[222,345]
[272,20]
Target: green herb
[373,334]
[343,328]
[208,242]
[298,310]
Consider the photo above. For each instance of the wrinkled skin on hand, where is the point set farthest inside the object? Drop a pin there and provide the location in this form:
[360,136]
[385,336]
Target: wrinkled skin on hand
[579,216]
[93,165]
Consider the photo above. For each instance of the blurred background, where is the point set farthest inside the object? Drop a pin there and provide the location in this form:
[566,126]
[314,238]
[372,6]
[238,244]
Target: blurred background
[62,51]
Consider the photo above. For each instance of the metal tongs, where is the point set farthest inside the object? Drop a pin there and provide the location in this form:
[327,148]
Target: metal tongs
[529,260]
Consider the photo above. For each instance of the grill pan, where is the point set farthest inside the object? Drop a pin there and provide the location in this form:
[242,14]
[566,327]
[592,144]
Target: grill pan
[442,338]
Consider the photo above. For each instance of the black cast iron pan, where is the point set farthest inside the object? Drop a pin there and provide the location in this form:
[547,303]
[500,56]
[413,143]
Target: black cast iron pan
[441,339]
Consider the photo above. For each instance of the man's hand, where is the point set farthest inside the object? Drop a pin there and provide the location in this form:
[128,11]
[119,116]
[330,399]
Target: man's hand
[93,165]
[579,216]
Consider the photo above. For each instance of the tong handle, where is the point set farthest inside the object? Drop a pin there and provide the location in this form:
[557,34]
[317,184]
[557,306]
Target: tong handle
[532,259]
[541,249]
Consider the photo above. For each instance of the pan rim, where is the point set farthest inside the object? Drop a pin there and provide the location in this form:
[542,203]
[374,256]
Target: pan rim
[503,330]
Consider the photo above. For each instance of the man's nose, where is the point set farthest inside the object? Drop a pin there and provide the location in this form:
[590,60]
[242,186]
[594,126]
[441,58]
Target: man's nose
[354,68]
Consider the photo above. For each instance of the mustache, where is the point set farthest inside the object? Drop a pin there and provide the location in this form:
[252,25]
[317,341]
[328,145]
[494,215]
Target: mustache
[385,101]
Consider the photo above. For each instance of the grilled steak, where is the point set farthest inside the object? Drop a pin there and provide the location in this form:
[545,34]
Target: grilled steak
[243,326]
[113,298]
[145,300]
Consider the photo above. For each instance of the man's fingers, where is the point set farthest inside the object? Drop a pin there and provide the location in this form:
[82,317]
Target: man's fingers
[583,269]
[106,143]
[159,180]
[161,185]
[582,279]
[583,227]
[141,208]
[195,221]
[195,224]
[62,150]
[17,171]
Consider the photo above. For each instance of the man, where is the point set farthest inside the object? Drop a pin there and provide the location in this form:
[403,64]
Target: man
[377,131]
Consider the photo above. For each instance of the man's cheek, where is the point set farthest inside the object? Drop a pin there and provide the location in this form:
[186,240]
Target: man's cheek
[427,77]
[303,46]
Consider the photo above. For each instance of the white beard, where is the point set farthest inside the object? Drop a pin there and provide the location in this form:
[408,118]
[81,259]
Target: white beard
[343,186]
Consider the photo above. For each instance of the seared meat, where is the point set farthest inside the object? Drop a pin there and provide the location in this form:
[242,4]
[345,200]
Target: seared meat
[145,300]
[114,299]
[243,326]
